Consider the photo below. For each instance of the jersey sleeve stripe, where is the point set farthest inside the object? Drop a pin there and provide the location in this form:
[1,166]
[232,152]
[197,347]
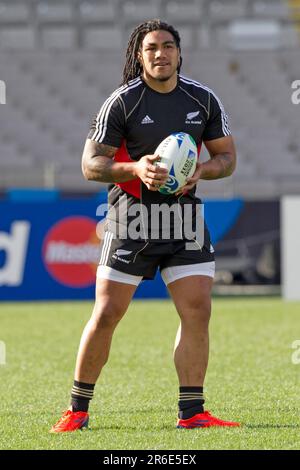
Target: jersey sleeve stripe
[224,117]
[101,114]
[104,107]
[102,117]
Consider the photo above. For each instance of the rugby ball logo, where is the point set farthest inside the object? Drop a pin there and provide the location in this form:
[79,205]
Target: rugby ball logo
[171,185]
[179,155]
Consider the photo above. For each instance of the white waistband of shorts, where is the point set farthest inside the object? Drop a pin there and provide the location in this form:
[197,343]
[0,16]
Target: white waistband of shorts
[174,273]
[105,272]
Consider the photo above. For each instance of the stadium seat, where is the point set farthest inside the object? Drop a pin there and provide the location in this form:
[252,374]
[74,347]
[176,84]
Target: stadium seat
[222,188]
[83,61]
[88,102]
[139,11]
[102,38]
[91,11]
[290,62]
[11,12]
[252,35]
[274,9]
[59,38]
[245,168]
[187,12]
[54,11]
[290,37]
[204,37]
[188,37]
[259,187]
[287,184]
[19,38]
[11,156]
[221,11]
[104,78]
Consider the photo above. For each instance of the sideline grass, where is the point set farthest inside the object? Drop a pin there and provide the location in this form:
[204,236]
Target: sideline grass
[251,377]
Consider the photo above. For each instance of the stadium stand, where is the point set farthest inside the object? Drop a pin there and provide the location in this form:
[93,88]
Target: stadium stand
[184,13]
[60,60]
[14,12]
[99,12]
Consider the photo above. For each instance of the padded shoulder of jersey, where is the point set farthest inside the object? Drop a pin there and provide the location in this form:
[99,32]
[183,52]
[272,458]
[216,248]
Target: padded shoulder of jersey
[129,94]
[198,90]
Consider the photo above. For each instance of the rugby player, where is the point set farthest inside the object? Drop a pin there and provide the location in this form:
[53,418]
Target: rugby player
[154,101]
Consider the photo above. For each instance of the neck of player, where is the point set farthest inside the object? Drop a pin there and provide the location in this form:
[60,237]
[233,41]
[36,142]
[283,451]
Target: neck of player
[162,86]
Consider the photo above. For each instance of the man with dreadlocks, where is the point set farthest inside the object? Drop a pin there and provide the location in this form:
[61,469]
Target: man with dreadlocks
[154,101]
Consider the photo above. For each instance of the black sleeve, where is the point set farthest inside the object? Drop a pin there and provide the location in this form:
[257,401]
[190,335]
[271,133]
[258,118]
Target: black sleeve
[108,126]
[217,124]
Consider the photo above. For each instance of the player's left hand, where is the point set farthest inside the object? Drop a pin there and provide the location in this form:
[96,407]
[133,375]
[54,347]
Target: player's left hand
[192,181]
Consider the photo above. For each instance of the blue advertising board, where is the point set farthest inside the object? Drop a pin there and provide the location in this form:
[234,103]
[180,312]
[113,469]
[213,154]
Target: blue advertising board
[49,247]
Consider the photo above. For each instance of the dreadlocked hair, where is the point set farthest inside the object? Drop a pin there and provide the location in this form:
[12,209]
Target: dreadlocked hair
[132,68]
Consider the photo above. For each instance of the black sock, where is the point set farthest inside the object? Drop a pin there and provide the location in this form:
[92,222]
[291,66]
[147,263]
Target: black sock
[81,395]
[191,401]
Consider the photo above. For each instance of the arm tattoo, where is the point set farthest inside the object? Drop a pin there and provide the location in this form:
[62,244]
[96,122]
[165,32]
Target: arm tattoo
[99,162]
[219,166]
[100,165]
[225,165]
[104,150]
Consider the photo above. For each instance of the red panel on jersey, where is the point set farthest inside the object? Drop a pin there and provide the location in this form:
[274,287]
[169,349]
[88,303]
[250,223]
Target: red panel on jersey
[199,149]
[132,187]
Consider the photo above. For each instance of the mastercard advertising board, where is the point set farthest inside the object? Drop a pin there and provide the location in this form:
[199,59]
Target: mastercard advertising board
[70,251]
[51,251]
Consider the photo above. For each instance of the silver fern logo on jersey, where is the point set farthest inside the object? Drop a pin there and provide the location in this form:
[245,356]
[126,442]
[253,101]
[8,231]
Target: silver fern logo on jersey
[2,92]
[190,118]
[119,254]
[122,252]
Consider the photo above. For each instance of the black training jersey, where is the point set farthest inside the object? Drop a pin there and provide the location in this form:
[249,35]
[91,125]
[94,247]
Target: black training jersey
[136,118]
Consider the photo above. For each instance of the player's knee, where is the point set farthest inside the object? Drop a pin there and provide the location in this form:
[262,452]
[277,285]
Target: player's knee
[197,312]
[106,316]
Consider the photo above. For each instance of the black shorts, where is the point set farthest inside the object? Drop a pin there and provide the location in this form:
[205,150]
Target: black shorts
[142,258]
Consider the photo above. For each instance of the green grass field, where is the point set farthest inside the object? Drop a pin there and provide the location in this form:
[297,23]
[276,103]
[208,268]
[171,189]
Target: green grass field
[251,377]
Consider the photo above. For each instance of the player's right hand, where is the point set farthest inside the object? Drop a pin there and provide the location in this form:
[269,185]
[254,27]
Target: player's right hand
[152,175]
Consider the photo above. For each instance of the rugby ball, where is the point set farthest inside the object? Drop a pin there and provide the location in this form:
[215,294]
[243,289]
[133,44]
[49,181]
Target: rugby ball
[179,155]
